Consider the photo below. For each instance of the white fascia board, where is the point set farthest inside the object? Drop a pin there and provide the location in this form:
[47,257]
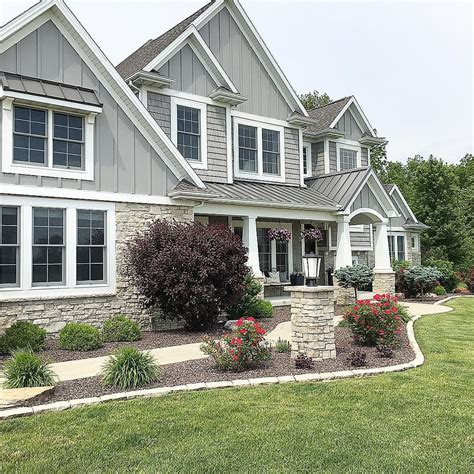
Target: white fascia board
[402,198]
[59,13]
[192,37]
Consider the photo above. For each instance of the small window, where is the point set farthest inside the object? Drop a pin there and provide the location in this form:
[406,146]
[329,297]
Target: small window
[48,246]
[247,148]
[400,247]
[9,246]
[271,151]
[307,171]
[347,159]
[91,249]
[391,247]
[68,142]
[29,136]
[189,132]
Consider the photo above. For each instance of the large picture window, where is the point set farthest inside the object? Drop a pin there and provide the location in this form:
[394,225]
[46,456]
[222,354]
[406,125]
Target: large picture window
[9,246]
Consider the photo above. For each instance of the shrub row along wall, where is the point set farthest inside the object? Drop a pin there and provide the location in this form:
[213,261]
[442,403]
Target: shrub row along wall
[53,314]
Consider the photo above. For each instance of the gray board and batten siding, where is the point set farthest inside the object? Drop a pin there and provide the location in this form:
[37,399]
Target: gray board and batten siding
[124,160]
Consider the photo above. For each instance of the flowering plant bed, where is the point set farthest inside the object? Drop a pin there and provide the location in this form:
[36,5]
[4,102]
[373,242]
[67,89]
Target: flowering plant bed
[279,234]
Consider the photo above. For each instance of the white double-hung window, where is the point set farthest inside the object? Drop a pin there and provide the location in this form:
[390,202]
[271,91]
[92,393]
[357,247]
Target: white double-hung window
[348,156]
[57,248]
[258,150]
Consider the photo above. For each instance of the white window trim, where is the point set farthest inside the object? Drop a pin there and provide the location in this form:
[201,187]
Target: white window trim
[259,175]
[348,146]
[71,288]
[395,243]
[309,162]
[9,166]
[284,225]
[175,101]
[416,247]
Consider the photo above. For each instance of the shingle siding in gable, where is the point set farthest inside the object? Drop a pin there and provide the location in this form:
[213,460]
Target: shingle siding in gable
[317,158]
[332,157]
[159,106]
[242,65]
[364,156]
[292,156]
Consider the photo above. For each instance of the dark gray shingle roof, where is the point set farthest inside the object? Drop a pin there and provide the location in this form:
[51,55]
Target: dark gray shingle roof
[51,89]
[264,193]
[325,114]
[341,186]
[152,48]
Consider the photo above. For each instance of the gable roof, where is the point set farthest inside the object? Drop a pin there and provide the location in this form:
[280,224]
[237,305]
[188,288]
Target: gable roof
[144,56]
[153,47]
[63,18]
[324,115]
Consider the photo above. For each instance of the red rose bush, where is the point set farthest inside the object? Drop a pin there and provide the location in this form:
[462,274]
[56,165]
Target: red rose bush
[376,324]
[241,349]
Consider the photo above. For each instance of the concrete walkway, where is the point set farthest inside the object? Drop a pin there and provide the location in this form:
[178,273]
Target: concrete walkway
[79,369]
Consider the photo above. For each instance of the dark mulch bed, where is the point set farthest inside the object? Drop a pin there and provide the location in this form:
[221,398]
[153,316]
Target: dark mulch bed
[204,370]
[432,299]
[156,339]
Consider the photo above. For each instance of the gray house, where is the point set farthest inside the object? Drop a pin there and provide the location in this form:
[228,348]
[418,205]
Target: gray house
[199,123]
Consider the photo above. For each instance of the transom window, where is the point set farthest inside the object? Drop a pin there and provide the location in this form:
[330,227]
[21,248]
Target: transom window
[258,150]
[68,143]
[91,248]
[347,159]
[48,246]
[248,148]
[29,135]
[189,132]
[9,246]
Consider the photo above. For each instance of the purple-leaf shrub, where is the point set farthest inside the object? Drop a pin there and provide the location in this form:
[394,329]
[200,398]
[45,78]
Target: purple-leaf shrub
[188,270]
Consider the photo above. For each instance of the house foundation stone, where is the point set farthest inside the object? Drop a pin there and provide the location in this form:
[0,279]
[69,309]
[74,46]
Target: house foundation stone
[384,282]
[312,322]
[343,296]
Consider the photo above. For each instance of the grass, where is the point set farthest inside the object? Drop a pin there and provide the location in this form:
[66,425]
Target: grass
[416,421]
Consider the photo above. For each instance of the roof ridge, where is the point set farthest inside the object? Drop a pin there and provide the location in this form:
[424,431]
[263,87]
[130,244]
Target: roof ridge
[334,173]
[331,103]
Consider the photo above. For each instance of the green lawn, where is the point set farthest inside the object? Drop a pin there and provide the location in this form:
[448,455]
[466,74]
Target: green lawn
[417,421]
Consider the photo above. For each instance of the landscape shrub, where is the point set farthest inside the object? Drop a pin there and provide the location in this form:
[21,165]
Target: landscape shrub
[245,306]
[461,287]
[242,349]
[304,362]
[263,309]
[129,368]
[439,290]
[358,358]
[25,369]
[79,337]
[385,351]
[22,335]
[120,329]
[282,346]
[190,271]
[354,276]
[399,264]
[375,323]
[421,280]
[448,278]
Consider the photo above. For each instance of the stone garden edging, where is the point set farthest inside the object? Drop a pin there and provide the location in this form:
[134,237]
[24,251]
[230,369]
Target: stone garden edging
[156,392]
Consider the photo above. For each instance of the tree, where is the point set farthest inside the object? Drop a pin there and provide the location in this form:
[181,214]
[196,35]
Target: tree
[422,279]
[354,276]
[310,100]
[378,159]
[188,271]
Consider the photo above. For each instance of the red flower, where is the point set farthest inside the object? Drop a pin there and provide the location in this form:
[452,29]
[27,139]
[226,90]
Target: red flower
[377,297]
[251,319]
[243,331]
[235,358]
[387,312]
[394,309]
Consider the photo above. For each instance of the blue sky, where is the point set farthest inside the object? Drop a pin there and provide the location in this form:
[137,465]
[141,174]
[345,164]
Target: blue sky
[409,63]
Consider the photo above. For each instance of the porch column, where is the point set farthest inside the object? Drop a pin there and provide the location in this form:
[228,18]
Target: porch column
[343,250]
[384,276]
[250,241]
[382,254]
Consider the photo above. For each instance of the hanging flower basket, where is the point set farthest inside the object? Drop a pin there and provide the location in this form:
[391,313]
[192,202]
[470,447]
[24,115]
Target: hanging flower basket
[312,235]
[280,235]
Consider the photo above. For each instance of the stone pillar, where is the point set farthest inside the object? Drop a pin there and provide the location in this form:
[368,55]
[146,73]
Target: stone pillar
[384,281]
[343,259]
[312,322]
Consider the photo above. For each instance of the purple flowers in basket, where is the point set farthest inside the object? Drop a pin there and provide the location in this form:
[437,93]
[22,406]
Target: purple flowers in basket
[312,235]
[279,234]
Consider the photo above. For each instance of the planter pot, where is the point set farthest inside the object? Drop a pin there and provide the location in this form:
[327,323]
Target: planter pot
[297,280]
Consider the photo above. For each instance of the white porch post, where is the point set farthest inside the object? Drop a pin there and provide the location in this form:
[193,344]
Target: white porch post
[382,254]
[250,241]
[343,250]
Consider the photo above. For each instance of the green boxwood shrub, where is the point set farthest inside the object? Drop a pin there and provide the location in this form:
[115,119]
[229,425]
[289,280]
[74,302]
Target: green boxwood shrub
[22,335]
[448,278]
[26,369]
[79,337]
[262,309]
[120,328]
[129,368]
[439,290]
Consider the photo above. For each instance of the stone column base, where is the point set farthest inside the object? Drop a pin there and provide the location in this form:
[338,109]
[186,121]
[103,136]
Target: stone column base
[261,280]
[384,282]
[312,322]
[343,296]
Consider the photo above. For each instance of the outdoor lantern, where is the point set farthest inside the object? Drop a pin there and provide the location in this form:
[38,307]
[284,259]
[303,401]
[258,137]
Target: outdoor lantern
[311,267]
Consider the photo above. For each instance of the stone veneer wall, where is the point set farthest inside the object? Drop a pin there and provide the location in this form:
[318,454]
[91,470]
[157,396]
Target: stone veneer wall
[53,314]
[384,282]
[312,322]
